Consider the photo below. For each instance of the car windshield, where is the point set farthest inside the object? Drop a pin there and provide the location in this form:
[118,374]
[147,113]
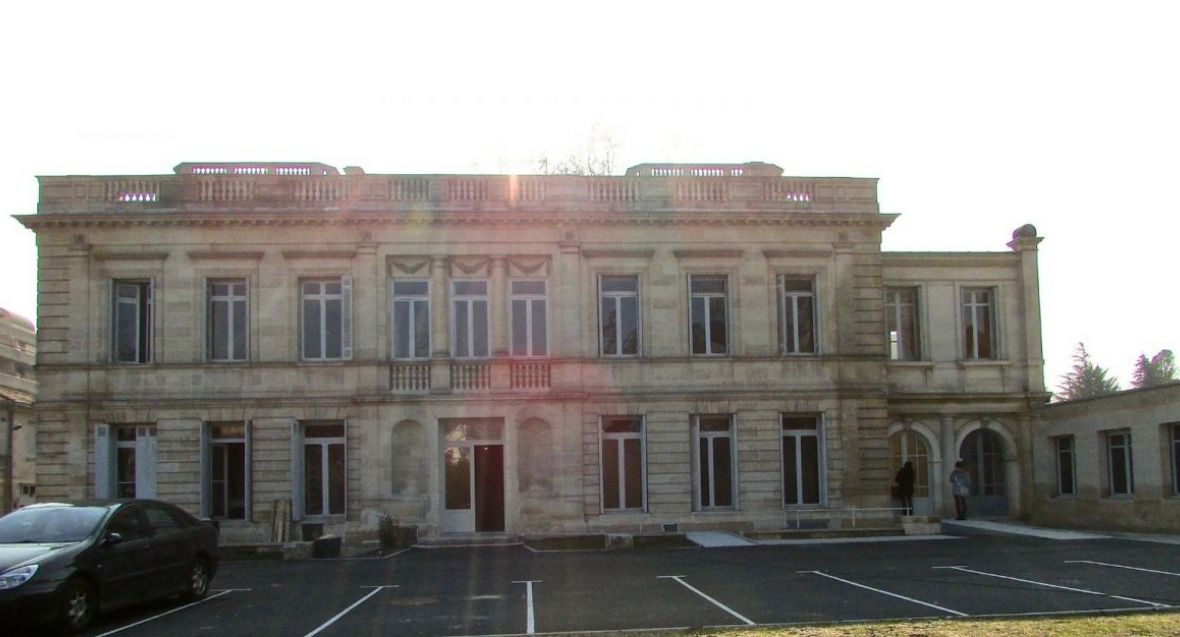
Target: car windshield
[50,524]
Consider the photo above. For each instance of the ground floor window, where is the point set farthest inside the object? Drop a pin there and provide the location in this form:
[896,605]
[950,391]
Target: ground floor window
[623,466]
[983,456]
[226,466]
[802,459]
[1065,465]
[125,461]
[1174,432]
[1119,463]
[714,461]
[909,446]
[323,468]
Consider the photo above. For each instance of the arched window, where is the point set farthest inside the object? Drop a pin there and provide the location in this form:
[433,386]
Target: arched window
[910,445]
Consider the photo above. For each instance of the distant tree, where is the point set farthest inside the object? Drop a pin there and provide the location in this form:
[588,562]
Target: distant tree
[1086,379]
[595,158]
[1159,370]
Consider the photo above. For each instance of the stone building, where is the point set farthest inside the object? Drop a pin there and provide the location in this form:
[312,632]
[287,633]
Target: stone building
[705,346]
[1110,462]
[18,452]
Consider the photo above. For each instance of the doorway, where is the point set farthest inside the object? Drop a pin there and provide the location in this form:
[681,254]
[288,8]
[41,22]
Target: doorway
[982,452]
[473,476]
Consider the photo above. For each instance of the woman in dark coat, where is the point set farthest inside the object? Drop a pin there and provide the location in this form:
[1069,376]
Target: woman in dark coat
[905,487]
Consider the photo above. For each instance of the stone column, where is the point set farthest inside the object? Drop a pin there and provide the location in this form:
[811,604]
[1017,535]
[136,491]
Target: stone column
[1024,242]
[440,335]
[950,455]
[499,307]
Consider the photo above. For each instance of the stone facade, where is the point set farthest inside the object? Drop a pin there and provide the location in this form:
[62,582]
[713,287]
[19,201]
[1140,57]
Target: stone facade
[18,347]
[704,346]
[1110,462]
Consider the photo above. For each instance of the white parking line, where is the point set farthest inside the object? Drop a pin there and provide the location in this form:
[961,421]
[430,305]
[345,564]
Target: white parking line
[1064,588]
[1129,568]
[680,579]
[530,620]
[884,592]
[337,616]
[169,612]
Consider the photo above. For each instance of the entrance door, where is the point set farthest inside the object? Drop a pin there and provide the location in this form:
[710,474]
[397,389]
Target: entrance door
[473,475]
[983,457]
[489,488]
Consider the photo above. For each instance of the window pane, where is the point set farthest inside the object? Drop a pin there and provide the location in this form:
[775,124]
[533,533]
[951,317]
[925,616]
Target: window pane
[810,465]
[236,480]
[333,323]
[706,484]
[332,287]
[327,430]
[540,329]
[311,329]
[708,284]
[471,288]
[458,477]
[622,425]
[462,322]
[313,480]
[336,479]
[610,345]
[723,471]
[409,288]
[629,319]
[241,330]
[220,328]
[610,474]
[698,325]
[790,469]
[401,329]
[717,333]
[479,312]
[714,423]
[217,483]
[421,329]
[620,284]
[311,288]
[806,325]
[797,284]
[528,287]
[633,462]
[520,334]
[127,331]
[1118,471]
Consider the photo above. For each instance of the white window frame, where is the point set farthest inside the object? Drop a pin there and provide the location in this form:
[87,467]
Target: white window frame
[620,438]
[897,340]
[143,310]
[530,322]
[821,460]
[1174,430]
[1120,439]
[701,466]
[231,299]
[705,298]
[617,297]
[414,303]
[975,311]
[789,314]
[302,440]
[322,297]
[470,300]
[106,459]
[1065,451]
[209,447]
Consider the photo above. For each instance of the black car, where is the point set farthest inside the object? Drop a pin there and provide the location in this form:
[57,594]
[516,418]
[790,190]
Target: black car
[61,563]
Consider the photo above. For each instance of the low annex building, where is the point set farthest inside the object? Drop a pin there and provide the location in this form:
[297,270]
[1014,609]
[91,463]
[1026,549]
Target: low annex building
[710,346]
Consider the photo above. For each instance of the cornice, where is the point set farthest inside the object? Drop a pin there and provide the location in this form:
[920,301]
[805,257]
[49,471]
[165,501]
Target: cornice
[947,259]
[319,254]
[709,253]
[128,256]
[203,255]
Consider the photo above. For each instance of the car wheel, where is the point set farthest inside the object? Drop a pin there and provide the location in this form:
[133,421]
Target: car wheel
[196,586]
[78,606]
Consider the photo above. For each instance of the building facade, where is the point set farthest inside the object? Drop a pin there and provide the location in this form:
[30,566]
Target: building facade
[1110,462]
[706,346]
[18,451]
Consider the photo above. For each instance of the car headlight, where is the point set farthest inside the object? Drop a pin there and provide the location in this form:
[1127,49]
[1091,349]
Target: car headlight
[16,577]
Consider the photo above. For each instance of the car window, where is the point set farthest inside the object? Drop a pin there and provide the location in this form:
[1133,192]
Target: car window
[50,524]
[129,523]
[162,519]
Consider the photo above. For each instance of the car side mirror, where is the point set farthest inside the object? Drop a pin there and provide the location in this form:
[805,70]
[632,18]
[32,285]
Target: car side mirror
[112,538]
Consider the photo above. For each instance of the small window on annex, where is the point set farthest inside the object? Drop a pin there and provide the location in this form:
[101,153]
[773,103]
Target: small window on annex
[1066,466]
[901,318]
[1119,463]
[1174,434]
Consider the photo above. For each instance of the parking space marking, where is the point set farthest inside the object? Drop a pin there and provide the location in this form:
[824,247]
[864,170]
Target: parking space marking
[337,616]
[1130,568]
[884,592]
[169,612]
[530,620]
[680,579]
[1064,588]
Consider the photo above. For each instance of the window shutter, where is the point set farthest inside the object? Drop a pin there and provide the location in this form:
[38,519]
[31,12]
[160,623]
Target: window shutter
[346,317]
[145,462]
[104,461]
[206,479]
[296,472]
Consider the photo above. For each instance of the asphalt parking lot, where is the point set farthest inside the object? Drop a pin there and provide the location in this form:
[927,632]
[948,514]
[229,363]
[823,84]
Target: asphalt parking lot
[513,590]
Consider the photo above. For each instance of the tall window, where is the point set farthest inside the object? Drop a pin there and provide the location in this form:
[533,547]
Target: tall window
[411,319]
[979,338]
[618,315]
[227,469]
[1174,431]
[982,452]
[124,461]
[1119,463]
[132,326]
[323,468]
[327,318]
[901,318]
[802,459]
[1065,465]
[797,308]
[713,462]
[470,319]
[228,324]
[909,445]
[708,307]
[530,318]
[623,464]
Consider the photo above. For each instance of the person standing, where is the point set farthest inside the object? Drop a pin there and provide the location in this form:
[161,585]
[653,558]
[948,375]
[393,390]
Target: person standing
[960,487]
[905,487]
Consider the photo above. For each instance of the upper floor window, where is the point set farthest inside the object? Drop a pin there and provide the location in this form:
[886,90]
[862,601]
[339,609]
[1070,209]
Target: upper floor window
[979,321]
[411,319]
[901,323]
[228,320]
[530,317]
[470,319]
[618,315]
[326,318]
[1119,463]
[708,308]
[1066,467]
[797,309]
[131,308]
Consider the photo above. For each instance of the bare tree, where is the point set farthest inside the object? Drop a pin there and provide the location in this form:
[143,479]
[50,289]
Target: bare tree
[596,157]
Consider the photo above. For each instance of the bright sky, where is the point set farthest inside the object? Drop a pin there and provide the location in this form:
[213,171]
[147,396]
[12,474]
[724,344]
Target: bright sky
[977,118]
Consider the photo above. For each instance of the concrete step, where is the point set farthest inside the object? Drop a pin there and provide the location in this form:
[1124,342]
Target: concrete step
[819,534]
[468,539]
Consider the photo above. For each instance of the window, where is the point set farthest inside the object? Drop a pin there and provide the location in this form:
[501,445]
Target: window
[226,494]
[982,452]
[797,308]
[1119,463]
[327,318]
[530,318]
[129,523]
[901,318]
[228,323]
[623,464]
[124,461]
[708,306]
[163,520]
[978,323]
[1174,431]
[908,445]
[411,319]
[323,468]
[470,319]
[618,315]
[802,460]
[1065,465]
[132,325]
[713,462]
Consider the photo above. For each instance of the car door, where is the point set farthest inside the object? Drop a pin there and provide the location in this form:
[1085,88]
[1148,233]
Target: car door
[171,550]
[125,564]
